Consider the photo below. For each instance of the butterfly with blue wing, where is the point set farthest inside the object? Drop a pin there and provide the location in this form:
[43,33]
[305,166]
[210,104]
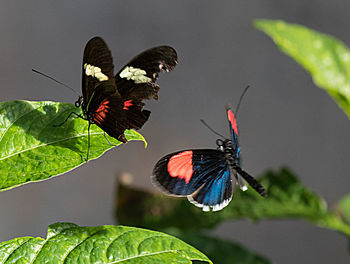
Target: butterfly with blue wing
[205,175]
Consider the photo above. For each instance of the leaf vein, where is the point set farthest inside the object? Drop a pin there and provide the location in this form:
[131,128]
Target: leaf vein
[50,143]
[81,242]
[146,255]
[107,248]
[2,136]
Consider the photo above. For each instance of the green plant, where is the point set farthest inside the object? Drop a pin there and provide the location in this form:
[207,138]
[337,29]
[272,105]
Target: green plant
[32,149]
[69,243]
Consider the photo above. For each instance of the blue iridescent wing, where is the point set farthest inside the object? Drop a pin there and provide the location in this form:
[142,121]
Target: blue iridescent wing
[203,175]
[216,193]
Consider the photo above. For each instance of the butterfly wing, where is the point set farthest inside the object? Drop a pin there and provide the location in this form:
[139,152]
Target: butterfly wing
[239,173]
[202,175]
[102,103]
[235,145]
[106,111]
[136,81]
[97,67]
[233,130]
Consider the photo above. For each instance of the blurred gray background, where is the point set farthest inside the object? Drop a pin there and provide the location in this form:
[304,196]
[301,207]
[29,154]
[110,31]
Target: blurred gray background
[284,119]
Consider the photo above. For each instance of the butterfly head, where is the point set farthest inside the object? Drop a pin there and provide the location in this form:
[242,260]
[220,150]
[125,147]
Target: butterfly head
[231,150]
[78,102]
[224,145]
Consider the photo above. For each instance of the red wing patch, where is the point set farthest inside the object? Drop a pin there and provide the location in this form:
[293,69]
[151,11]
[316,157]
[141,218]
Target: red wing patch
[127,104]
[100,114]
[232,120]
[180,165]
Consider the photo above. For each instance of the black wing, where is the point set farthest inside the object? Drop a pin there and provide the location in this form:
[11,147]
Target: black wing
[97,67]
[202,175]
[102,103]
[136,81]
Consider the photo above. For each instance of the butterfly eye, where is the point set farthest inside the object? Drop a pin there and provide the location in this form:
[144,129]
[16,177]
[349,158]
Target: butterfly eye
[78,102]
[219,142]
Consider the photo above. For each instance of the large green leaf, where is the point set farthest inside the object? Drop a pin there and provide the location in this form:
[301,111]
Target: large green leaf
[218,250]
[33,148]
[325,57]
[69,243]
[287,198]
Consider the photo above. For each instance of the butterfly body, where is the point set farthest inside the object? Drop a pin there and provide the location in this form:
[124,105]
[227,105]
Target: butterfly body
[205,175]
[115,102]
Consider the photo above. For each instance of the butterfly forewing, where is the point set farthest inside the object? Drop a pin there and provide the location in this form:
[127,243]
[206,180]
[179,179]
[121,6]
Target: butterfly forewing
[233,133]
[232,125]
[102,103]
[97,67]
[137,79]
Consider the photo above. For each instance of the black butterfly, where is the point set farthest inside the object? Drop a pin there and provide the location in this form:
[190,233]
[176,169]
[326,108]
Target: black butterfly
[115,103]
[205,175]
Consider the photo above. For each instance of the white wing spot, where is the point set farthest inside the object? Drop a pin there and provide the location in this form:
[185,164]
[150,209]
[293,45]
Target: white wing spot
[93,71]
[135,74]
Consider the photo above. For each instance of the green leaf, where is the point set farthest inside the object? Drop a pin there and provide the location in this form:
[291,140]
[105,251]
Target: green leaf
[33,148]
[343,208]
[218,250]
[69,243]
[287,198]
[325,57]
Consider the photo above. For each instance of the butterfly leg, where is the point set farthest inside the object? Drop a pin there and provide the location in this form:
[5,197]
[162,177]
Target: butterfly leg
[122,138]
[69,117]
[87,155]
[108,140]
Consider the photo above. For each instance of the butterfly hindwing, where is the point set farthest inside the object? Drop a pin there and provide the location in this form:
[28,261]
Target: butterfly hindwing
[203,175]
[216,193]
[106,110]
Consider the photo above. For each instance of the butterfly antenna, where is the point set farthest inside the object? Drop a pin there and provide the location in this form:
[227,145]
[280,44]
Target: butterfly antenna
[49,77]
[240,99]
[212,130]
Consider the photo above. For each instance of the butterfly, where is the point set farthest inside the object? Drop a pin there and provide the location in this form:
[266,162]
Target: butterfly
[205,175]
[115,102]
